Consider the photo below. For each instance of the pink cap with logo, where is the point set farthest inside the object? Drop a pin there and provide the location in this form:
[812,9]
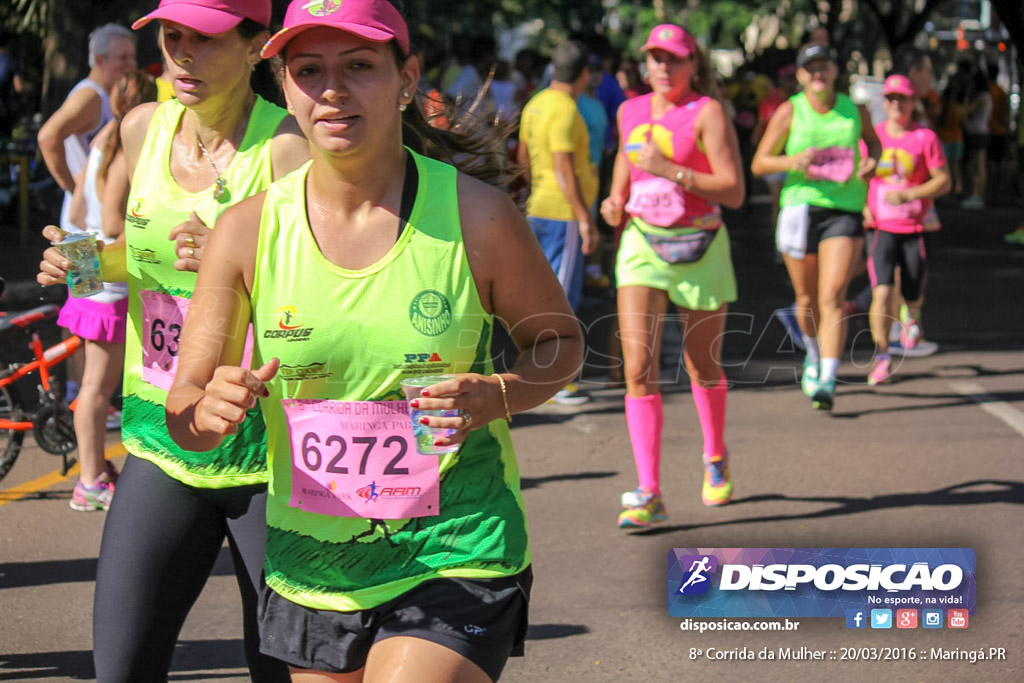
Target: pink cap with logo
[375,20]
[671,38]
[209,16]
[898,84]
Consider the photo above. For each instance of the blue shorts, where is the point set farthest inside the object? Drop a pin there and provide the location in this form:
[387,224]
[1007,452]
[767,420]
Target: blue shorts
[563,246]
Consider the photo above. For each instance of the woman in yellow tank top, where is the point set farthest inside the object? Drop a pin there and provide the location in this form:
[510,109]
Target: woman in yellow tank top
[172,510]
[350,82]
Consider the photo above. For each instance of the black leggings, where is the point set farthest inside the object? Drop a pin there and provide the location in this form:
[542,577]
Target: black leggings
[159,546]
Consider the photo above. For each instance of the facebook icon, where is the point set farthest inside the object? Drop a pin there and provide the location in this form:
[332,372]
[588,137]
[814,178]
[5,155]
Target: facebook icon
[856,618]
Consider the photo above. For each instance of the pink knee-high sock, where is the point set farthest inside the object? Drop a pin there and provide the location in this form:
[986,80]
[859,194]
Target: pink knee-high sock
[645,419]
[711,411]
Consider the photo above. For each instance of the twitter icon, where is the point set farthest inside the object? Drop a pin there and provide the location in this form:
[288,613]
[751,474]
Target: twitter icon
[881,618]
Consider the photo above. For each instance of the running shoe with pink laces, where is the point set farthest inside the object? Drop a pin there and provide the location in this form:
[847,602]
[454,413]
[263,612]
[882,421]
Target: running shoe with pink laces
[717,488]
[881,373]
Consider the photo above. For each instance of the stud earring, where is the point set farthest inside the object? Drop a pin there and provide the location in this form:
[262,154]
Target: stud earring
[403,106]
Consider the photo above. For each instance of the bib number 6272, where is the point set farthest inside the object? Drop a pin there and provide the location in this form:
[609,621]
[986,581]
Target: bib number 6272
[315,458]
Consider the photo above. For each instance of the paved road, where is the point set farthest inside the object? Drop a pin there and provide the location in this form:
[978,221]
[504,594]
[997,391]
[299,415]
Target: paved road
[932,460]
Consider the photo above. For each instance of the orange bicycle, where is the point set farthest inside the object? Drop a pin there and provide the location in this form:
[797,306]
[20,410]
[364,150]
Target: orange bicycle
[51,422]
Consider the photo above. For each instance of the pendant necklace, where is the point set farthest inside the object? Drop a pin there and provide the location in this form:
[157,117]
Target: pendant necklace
[220,187]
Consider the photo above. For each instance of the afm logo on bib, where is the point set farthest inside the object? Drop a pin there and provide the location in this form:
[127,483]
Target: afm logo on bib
[430,313]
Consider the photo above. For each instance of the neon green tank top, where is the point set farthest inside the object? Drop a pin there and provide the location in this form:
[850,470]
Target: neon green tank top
[157,204]
[838,128]
[351,335]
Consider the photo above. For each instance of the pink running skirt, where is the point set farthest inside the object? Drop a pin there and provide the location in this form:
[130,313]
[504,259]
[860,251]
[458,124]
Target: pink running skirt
[95,320]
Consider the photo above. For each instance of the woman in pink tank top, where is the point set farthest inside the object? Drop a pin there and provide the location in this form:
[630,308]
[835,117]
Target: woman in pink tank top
[678,161]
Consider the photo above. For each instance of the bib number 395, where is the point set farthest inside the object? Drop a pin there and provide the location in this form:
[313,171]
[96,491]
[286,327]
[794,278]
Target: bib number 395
[357,459]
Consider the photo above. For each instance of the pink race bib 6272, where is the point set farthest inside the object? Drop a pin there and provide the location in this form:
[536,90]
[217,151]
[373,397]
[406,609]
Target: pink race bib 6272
[359,459]
[658,201]
[834,164]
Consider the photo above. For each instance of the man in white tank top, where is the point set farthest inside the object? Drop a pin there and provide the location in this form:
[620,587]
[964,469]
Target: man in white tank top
[64,138]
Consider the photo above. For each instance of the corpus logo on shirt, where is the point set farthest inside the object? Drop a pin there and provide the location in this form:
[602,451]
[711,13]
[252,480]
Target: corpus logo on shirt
[135,214]
[289,328]
[430,313]
[287,315]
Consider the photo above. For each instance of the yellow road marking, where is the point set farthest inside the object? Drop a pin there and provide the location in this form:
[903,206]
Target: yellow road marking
[51,478]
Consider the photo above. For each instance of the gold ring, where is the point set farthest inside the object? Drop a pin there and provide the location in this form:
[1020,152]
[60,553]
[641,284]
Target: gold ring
[467,417]
[189,242]
[191,253]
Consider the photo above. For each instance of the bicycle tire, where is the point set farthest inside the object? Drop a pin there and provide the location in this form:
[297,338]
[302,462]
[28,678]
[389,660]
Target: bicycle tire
[10,439]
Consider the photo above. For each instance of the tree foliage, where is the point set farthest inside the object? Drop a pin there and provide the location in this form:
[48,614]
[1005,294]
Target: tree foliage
[60,28]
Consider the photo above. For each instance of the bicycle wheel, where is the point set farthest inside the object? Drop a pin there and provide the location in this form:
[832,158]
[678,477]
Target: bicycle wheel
[10,439]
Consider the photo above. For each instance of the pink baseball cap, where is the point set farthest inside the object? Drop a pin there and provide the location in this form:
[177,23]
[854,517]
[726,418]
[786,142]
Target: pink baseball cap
[671,38]
[898,84]
[209,16]
[375,20]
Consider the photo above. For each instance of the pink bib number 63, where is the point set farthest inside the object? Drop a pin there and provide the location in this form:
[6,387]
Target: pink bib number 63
[359,459]
[163,316]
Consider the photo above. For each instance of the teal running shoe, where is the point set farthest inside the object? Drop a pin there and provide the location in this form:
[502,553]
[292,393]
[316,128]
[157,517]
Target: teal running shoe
[825,397]
[809,378]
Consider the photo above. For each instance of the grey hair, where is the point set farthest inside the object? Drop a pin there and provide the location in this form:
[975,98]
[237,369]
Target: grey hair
[101,38]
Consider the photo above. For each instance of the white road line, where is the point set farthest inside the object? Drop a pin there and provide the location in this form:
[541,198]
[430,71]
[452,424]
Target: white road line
[991,405]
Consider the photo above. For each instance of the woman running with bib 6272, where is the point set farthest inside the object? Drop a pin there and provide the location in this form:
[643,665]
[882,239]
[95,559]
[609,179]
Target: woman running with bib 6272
[382,563]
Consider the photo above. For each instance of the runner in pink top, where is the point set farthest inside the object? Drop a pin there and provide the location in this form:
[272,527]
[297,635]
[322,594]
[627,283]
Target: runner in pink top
[678,160]
[911,171]
[655,199]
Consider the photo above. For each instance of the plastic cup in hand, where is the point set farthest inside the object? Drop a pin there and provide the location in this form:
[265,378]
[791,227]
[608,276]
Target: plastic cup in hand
[83,263]
[425,435]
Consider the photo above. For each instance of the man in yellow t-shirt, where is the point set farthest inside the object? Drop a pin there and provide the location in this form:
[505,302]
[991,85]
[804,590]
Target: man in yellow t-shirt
[563,180]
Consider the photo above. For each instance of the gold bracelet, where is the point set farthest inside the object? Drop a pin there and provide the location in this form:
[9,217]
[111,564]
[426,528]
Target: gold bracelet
[504,397]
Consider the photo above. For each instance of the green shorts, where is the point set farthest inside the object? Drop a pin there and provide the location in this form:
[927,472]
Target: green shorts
[704,285]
